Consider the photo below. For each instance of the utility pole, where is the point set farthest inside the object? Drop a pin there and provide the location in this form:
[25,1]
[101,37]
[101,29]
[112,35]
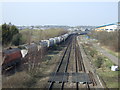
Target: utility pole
[29,37]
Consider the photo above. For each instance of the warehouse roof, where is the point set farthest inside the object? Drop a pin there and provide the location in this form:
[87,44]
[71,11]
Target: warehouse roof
[108,25]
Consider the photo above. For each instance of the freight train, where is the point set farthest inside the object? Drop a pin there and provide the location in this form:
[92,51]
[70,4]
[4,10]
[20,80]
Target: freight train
[12,56]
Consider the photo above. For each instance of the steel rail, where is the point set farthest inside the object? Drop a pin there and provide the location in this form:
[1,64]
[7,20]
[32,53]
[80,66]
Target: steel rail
[58,68]
[82,67]
[81,64]
[76,60]
[66,67]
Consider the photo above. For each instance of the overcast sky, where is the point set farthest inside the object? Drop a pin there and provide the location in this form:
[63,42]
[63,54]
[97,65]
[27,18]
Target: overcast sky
[60,13]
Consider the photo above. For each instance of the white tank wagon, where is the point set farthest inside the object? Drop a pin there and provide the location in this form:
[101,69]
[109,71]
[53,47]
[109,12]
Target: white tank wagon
[57,40]
[61,39]
[52,41]
[65,36]
[44,43]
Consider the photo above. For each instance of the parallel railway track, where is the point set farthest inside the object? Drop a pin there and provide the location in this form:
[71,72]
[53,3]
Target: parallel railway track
[79,62]
[62,67]
[64,62]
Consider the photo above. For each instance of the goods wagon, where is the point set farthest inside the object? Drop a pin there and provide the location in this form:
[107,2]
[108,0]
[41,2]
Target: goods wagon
[14,55]
[32,48]
[11,57]
[65,36]
[52,41]
[61,38]
[57,40]
[44,43]
[24,52]
[83,33]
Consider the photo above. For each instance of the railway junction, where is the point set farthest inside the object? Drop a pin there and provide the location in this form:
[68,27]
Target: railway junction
[73,68]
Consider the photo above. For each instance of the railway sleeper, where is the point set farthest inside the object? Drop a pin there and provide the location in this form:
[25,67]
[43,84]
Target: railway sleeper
[92,78]
[76,78]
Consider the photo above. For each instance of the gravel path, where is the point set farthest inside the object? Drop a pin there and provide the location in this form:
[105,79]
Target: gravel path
[114,59]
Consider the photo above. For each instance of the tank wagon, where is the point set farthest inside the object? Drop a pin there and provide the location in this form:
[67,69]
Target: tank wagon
[14,55]
[52,41]
[57,40]
[44,43]
[11,56]
[30,49]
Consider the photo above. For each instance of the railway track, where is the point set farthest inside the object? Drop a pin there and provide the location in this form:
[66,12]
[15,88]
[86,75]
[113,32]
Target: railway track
[63,65]
[79,63]
[60,76]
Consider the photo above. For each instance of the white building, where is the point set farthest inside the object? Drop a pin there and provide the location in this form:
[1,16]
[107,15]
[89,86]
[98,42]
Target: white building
[109,27]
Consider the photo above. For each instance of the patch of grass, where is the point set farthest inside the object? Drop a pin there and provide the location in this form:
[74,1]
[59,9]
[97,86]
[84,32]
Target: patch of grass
[16,81]
[109,77]
[48,57]
[31,82]
[107,62]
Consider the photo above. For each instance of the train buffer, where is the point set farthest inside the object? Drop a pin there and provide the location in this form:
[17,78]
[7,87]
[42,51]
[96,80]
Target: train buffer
[60,77]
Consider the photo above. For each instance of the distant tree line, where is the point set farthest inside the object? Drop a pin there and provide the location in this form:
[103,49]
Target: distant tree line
[10,35]
[37,35]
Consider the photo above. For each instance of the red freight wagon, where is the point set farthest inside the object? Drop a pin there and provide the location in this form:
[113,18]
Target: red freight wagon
[11,57]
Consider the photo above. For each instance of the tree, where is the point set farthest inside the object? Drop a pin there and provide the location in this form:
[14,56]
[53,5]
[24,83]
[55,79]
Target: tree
[8,32]
[5,34]
[17,39]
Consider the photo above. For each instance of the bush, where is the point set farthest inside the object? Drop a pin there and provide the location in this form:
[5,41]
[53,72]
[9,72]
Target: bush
[99,62]
[17,39]
[93,52]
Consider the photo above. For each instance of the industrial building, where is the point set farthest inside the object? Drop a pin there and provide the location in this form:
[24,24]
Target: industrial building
[109,27]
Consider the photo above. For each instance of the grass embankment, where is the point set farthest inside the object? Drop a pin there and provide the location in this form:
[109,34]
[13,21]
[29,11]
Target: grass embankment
[37,35]
[107,39]
[103,67]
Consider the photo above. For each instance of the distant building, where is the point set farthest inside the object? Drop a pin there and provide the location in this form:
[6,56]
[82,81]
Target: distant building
[109,27]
